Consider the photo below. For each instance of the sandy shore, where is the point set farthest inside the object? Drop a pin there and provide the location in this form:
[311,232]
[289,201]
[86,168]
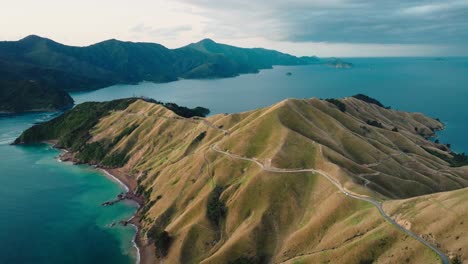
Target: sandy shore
[145,254]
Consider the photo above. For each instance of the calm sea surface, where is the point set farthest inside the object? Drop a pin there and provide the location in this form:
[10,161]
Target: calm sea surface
[436,87]
[51,211]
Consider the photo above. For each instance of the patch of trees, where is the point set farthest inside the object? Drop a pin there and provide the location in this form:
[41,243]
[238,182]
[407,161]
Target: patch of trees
[158,235]
[127,131]
[71,129]
[337,103]
[215,208]
[369,99]
[200,137]
[460,159]
[162,241]
[395,129]
[96,152]
[92,153]
[374,123]
[456,159]
[181,110]
[115,160]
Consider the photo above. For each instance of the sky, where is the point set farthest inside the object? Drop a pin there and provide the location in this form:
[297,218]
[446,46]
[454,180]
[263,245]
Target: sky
[342,28]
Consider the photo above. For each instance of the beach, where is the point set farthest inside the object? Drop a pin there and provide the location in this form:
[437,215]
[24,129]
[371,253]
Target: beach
[145,254]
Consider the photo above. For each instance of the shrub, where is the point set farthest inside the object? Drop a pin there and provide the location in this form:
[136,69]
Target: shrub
[93,152]
[162,240]
[368,99]
[216,210]
[115,160]
[457,160]
[374,123]
[200,137]
[127,131]
[181,110]
[337,103]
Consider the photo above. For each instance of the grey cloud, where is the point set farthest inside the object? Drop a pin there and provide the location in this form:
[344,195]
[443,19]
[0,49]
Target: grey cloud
[168,32]
[350,21]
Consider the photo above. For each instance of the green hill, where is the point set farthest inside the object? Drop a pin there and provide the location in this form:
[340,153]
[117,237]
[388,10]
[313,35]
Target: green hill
[230,188]
[59,67]
[250,60]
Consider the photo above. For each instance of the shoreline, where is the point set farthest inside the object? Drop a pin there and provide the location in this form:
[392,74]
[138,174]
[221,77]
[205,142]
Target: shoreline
[114,179]
[137,228]
[118,177]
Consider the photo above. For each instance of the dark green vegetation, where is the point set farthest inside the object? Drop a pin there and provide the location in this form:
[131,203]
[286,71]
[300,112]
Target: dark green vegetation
[162,241]
[71,130]
[160,237]
[455,160]
[36,71]
[375,124]
[368,99]
[182,110]
[34,92]
[338,104]
[215,208]
[245,60]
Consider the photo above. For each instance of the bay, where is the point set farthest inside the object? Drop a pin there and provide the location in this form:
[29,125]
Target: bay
[51,211]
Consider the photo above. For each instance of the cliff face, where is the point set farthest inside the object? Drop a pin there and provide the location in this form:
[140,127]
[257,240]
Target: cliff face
[229,188]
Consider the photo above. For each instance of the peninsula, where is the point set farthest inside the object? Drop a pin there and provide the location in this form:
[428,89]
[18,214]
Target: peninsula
[301,181]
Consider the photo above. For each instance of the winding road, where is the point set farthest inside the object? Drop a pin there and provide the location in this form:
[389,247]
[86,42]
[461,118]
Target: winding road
[444,259]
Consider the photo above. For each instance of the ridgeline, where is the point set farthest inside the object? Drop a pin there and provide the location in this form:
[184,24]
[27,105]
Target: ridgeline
[36,73]
[241,188]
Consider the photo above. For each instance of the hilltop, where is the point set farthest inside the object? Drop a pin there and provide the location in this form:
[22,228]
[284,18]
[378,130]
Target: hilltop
[58,68]
[271,185]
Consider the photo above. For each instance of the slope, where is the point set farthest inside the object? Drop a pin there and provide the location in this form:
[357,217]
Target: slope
[202,206]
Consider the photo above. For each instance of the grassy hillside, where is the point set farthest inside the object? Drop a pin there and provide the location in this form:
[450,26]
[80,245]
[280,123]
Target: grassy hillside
[439,217]
[202,206]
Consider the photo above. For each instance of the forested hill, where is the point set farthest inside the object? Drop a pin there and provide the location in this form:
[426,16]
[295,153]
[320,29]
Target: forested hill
[59,67]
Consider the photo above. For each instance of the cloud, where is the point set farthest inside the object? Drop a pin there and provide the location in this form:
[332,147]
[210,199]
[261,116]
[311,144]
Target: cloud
[162,32]
[338,21]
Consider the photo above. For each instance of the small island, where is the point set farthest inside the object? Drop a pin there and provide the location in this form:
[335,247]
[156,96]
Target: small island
[339,64]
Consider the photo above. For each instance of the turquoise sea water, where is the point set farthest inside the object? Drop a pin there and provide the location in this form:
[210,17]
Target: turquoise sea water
[51,211]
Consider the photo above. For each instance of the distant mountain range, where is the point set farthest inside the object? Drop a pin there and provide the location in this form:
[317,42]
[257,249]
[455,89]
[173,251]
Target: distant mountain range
[36,73]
